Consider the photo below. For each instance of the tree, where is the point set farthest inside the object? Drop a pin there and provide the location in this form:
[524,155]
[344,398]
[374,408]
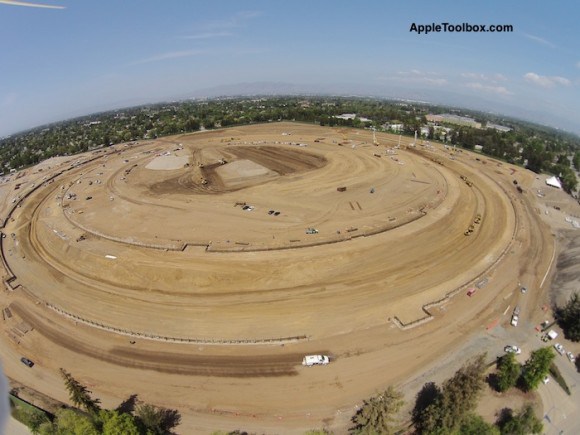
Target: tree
[376,416]
[523,423]
[151,418]
[69,422]
[115,423]
[475,425]
[569,318]
[508,372]
[425,397]
[536,368]
[457,399]
[80,396]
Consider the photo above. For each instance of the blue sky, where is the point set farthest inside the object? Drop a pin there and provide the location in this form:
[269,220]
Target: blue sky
[98,55]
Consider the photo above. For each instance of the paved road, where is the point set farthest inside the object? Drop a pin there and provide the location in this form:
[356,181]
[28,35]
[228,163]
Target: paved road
[560,410]
[14,427]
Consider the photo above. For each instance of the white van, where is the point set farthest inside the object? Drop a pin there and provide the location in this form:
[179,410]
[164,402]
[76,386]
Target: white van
[312,360]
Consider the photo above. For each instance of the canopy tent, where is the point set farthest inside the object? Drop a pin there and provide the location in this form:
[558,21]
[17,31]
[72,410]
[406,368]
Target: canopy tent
[554,182]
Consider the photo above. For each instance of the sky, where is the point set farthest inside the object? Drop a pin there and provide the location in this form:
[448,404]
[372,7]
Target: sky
[89,56]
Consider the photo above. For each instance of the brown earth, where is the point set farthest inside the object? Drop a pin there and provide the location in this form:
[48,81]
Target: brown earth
[222,303]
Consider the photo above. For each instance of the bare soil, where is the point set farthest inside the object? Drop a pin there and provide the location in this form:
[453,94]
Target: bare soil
[151,282]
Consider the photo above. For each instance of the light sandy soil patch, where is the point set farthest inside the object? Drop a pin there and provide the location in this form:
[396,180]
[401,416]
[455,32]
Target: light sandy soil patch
[167,163]
[242,171]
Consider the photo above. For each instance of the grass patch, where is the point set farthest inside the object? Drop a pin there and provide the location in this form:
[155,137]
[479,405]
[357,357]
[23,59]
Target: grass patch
[27,414]
[555,372]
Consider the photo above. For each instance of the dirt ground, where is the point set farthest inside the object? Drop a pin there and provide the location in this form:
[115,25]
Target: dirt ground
[159,283]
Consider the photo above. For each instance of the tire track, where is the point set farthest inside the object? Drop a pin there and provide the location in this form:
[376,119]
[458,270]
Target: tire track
[167,362]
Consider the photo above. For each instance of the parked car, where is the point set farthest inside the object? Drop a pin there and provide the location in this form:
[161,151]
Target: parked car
[26,362]
[546,380]
[512,349]
[313,360]
[559,348]
[571,357]
[524,290]
[515,320]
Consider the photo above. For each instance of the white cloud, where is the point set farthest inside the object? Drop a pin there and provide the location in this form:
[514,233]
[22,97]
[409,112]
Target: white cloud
[237,20]
[208,35]
[539,40]
[417,77]
[493,78]
[500,90]
[170,55]
[546,81]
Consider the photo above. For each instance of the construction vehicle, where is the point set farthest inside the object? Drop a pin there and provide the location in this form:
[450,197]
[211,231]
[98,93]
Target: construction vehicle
[311,231]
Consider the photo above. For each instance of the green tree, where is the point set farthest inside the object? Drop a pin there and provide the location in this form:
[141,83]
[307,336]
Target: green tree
[536,368]
[377,415]
[115,423]
[508,372]
[79,395]
[151,418]
[576,160]
[569,318]
[475,425]
[457,399]
[69,422]
[523,423]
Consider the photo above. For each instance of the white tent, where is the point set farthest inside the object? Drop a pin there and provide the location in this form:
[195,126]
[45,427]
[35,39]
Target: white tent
[554,182]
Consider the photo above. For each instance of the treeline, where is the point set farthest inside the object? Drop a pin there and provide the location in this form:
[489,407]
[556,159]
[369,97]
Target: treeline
[87,417]
[540,148]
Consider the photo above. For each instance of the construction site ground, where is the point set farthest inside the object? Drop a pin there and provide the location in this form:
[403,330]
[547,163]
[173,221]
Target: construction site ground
[193,282]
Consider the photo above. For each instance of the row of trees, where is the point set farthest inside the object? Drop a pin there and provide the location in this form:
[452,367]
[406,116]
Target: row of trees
[449,409]
[88,418]
[511,374]
[539,146]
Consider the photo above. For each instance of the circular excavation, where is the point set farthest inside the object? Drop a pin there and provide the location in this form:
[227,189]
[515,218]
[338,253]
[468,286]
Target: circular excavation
[231,254]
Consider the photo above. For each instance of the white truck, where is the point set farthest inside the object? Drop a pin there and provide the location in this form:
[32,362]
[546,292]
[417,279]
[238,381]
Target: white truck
[313,360]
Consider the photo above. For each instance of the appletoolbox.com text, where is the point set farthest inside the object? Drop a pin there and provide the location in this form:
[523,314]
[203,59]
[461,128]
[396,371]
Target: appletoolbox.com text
[459,28]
